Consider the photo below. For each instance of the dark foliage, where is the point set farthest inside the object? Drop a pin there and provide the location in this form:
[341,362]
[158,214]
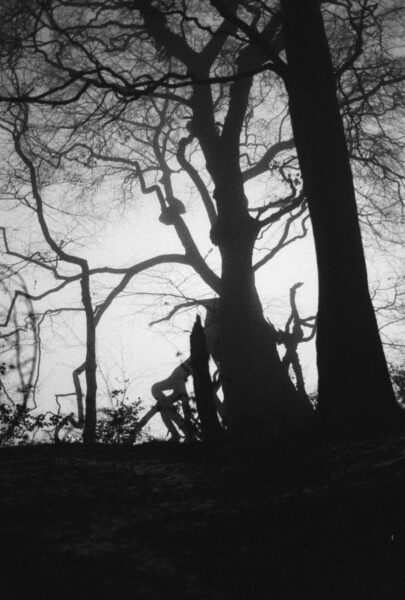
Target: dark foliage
[117,424]
[17,423]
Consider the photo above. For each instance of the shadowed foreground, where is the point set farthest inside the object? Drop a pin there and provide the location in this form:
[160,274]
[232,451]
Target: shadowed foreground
[161,521]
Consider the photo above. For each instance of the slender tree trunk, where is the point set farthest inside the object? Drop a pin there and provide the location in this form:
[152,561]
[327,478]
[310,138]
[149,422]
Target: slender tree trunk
[79,393]
[90,418]
[259,397]
[355,392]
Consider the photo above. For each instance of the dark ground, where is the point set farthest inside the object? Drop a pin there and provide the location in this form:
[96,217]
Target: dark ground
[165,522]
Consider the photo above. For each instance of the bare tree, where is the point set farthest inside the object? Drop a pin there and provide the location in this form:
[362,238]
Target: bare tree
[351,397]
[171,52]
[18,128]
[19,350]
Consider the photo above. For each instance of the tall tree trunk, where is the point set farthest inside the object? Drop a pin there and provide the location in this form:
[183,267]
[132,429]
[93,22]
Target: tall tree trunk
[90,418]
[355,393]
[260,399]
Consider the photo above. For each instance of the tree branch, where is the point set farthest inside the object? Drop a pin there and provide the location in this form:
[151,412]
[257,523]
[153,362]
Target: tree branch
[291,204]
[283,241]
[263,164]
[195,178]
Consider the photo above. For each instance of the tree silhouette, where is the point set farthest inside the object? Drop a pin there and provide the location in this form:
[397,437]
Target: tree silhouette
[212,69]
[355,391]
[293,335]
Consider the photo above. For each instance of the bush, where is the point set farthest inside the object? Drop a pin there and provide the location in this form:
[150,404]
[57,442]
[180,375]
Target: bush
[117,424]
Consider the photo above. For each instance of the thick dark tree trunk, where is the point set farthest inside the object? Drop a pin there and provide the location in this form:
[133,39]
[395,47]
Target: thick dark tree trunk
[260,399]
[355,392]
[211,430]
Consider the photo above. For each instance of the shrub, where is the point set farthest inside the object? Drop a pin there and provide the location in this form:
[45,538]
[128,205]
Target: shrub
[117,424]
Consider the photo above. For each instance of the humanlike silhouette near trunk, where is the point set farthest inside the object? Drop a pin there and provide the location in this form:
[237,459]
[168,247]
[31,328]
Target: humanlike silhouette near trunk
[355,393]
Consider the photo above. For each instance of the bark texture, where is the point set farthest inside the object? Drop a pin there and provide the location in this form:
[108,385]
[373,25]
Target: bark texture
[260,400]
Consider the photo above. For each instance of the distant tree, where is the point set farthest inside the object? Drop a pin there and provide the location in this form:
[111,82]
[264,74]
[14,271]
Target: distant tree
[257,389]
[389,302]
[117,423]
[292,336]
[19,352]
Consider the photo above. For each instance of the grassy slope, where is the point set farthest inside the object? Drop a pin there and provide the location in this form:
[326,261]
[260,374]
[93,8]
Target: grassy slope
[160,521]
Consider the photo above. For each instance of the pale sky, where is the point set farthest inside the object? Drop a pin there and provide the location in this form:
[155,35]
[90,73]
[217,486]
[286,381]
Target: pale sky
[128,347]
